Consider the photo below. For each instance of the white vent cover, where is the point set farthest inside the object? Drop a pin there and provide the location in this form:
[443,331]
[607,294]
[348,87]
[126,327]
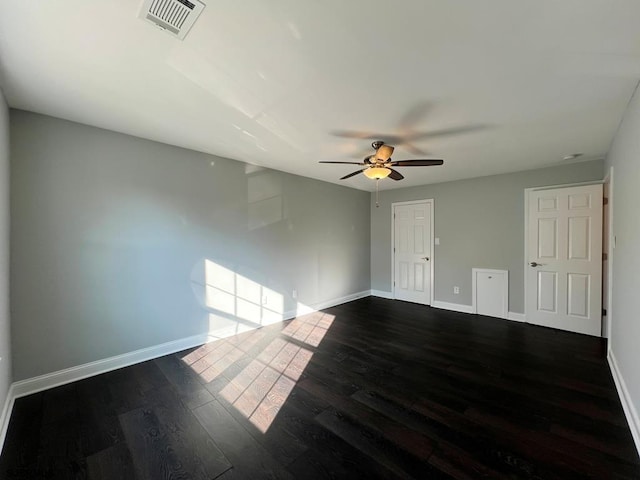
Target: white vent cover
[173,16]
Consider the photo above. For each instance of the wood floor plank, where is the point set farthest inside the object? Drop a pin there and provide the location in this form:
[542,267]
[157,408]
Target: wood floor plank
[328,456]
[378,448]
[97,415]
[111,463]
[167,442]
[20,451]
[60,453]
[245,454]
[184,379]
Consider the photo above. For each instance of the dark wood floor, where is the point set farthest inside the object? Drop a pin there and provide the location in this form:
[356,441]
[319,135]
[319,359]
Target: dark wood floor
[370,389]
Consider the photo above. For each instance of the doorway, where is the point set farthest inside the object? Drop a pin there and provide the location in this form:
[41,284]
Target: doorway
[412,251]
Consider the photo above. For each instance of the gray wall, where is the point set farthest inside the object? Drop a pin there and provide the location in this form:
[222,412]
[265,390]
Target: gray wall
[625,313]
[480,223]
[111,233]
[5,343]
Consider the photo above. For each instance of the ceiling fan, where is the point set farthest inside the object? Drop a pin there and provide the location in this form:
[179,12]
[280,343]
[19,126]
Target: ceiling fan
[379,165]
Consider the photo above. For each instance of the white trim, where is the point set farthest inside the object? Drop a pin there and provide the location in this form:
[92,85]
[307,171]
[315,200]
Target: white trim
[565,185]
[455,307]
[303,309]
[517,317]
[339,301]
[505,293]
[527,192]
[431,204]
[382,294]
[458,307]
[73,374]
[609,306]
[627,405]
[6,415]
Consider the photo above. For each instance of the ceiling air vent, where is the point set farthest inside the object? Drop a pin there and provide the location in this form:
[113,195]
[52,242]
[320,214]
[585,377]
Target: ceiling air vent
[173,16]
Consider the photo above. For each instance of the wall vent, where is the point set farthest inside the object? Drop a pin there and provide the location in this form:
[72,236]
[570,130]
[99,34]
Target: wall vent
[173,16]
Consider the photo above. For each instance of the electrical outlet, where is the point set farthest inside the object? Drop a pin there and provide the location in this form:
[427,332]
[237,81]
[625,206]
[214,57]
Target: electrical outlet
[456,290]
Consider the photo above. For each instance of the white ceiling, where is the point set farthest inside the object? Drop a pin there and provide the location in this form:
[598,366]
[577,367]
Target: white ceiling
[271,82]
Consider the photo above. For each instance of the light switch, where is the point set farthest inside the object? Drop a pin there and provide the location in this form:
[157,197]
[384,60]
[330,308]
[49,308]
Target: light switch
[437,241]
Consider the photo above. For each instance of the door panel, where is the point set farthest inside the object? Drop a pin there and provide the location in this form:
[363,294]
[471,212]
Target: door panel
[547,291]
[412,252]
[578,295]
[547,238]
[564,279]
[579,228]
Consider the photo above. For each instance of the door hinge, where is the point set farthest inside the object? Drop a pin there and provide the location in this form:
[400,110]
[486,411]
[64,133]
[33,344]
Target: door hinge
[604,257]
[605,201]
[604,312]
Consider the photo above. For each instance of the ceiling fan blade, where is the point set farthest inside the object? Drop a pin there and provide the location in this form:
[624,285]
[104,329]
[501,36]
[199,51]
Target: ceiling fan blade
[385,137]
[352,174]
[345,163]
[355,134]
[414,115]
[416,163]
[395,175]
[411,148]
[445,132]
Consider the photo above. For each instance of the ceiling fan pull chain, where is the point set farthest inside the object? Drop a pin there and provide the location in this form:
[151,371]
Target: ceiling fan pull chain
[377,181]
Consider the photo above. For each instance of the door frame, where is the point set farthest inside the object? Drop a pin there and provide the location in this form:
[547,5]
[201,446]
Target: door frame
[611,243]
[527,192]
[430,204]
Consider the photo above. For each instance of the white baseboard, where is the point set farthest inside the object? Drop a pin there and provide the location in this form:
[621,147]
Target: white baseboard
[6,415]
[73,374]
[517,317]
[627,405]
[382,294]
[455,307]
[338,301]
[458,307]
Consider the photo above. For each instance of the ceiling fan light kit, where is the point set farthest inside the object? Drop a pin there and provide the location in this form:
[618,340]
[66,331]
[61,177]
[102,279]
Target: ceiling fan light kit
[377,173]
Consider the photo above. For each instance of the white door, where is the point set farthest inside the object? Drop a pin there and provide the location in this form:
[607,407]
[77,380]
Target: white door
[412,252]
[564,281]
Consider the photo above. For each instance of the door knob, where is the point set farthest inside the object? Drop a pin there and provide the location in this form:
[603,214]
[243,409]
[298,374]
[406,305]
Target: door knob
[426,259]
[535,264]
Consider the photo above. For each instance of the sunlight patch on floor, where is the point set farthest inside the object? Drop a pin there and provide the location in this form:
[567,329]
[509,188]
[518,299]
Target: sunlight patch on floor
[262,387]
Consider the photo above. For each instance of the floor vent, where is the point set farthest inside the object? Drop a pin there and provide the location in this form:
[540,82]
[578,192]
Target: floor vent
[173,16]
